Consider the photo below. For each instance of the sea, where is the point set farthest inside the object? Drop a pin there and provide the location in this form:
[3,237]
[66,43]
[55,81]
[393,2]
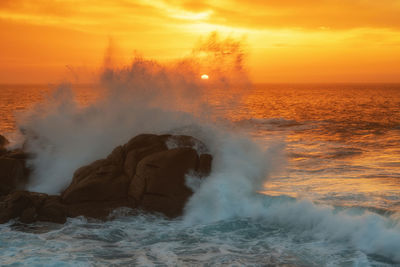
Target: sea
[303,175]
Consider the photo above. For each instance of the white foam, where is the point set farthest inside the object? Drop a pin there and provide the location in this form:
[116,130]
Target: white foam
[149,97]
[239,170]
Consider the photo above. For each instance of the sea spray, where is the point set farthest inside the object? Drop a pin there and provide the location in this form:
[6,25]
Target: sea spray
[143,97]
[241,167]
[150,97]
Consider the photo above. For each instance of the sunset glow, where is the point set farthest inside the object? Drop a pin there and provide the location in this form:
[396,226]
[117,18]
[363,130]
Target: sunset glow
[356,41]
[201,133]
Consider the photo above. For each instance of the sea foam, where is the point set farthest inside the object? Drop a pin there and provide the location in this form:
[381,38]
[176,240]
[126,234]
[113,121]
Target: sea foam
[148,97]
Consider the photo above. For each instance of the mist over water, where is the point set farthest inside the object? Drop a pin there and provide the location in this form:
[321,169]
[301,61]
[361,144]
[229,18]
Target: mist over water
[143,97]
[261,141]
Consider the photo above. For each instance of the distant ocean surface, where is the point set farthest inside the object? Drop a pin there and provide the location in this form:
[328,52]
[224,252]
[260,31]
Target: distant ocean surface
[336,201]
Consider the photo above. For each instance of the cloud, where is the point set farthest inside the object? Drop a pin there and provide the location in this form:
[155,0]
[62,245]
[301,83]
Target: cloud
[95,17]
[306,14]
[280,33]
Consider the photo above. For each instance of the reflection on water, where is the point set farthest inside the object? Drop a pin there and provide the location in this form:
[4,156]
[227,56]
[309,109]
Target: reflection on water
[19,97]
[343,141]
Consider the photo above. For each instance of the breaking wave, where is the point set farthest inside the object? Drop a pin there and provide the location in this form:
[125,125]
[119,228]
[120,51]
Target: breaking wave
[151,97]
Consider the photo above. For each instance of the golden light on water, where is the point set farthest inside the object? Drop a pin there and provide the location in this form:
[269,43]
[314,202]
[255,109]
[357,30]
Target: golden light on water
[204,77]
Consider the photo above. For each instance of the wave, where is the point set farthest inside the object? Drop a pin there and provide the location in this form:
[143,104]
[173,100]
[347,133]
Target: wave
[278,121]
[241,167]
[282,122]
[150,97]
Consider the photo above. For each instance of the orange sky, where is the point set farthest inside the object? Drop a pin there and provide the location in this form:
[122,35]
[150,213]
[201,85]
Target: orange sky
[46,41]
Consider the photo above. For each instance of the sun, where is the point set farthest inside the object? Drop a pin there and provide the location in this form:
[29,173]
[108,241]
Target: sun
[204,77]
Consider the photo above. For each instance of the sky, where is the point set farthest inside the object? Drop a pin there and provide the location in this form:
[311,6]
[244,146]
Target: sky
[47,41]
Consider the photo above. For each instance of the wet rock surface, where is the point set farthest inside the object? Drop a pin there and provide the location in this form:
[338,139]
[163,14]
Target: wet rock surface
[13,171]
[146,173]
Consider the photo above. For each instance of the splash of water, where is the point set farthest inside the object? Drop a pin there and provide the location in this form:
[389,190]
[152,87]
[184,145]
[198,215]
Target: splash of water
[143,97]
[148,96]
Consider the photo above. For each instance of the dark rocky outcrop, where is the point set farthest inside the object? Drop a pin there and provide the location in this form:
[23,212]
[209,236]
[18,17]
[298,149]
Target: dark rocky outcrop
[11,175]
[3,142]
[30,207]
[159,182]
[147,173]
[13,170]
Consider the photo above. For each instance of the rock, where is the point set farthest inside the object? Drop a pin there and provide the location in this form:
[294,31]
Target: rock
[28,215]
[12,175]
[146,140]
[117,157]
[108,179]
[204,168]
[142,173]
[30,207]
[3,142]
[159,183]
[170,206]
[13,171]
[100,181]
[134,156]
[148,172]
[175,141]
[53,210]
[18,154]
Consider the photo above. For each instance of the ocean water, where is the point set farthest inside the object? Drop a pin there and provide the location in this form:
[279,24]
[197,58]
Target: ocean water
[303,175]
